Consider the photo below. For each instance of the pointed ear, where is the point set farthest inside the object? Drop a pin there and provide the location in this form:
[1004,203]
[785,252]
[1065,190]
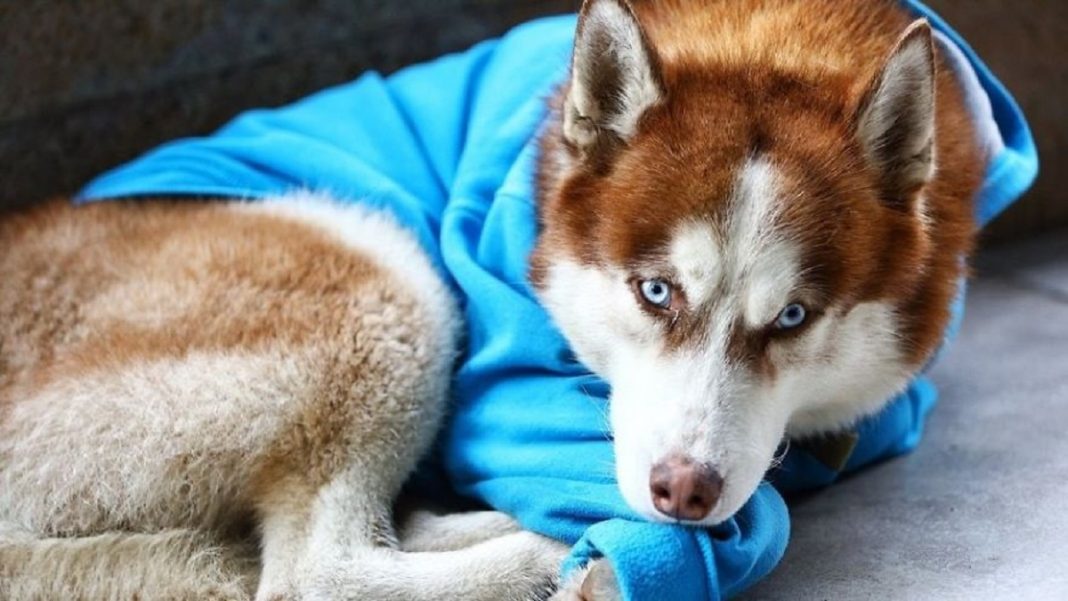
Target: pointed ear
[615,78]
[896,118]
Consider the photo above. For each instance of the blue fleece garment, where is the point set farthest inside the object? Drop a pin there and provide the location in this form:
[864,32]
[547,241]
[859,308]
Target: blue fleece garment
[449,149]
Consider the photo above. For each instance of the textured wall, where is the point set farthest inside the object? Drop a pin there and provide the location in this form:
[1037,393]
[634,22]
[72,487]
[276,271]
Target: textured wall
[1026,43]
[85,85]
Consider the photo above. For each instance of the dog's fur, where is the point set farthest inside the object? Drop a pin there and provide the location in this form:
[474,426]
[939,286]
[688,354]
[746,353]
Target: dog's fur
[752,155]
[172,371]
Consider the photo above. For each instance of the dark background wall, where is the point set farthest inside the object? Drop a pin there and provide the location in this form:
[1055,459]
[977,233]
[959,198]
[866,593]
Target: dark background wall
[85,85]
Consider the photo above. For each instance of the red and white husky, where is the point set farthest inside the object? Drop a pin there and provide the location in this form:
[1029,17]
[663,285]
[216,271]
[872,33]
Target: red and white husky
[754,219]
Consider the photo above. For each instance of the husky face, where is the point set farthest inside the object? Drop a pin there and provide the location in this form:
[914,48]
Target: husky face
[719,339]
[742,255]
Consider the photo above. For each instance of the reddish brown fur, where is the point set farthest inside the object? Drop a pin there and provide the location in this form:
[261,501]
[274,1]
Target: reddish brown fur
[218,280]
[782,79]
[174,372]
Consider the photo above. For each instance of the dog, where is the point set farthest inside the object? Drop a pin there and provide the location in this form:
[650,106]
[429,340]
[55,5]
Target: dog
[754,218]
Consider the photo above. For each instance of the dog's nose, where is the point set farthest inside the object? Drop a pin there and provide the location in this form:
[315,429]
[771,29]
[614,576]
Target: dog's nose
[684,489]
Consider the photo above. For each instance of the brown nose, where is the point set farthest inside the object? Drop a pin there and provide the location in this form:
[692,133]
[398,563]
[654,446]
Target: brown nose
[684,489]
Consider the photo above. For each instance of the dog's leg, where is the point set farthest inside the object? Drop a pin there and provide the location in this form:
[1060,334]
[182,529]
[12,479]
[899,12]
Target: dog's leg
[174,564]
[595,582]
[423,530]
[519,566]
[284,521]
[350,557]
[338,543]
[167,461]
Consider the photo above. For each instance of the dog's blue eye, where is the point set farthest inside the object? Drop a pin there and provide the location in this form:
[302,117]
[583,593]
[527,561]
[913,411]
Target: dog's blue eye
[792,317]
[656,293]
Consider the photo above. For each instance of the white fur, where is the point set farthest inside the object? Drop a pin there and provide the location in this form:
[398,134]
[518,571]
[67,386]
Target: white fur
[698,257]
[174,564]
[763,264]
[861,366]
[751,258]
[596,310]
[147,414]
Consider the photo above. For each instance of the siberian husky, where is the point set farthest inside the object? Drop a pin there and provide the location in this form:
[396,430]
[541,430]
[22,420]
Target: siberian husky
[774,199]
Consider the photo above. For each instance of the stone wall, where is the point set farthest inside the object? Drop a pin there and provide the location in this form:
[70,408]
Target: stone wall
[85,85]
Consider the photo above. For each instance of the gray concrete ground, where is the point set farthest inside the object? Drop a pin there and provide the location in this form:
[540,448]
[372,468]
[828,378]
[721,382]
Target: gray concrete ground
[980,510]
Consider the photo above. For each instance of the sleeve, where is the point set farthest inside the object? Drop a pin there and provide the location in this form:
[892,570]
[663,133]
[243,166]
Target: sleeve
[672,562]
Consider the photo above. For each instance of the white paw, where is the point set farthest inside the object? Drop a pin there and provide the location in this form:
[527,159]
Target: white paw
[423,531]
[596,582]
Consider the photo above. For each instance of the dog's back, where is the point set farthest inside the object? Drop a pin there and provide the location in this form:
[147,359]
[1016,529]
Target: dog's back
[183,368]
[104,308]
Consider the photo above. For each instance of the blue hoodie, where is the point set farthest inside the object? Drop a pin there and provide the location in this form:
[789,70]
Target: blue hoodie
[449,149]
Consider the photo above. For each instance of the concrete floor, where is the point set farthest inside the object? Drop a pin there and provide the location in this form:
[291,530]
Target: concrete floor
[980,510]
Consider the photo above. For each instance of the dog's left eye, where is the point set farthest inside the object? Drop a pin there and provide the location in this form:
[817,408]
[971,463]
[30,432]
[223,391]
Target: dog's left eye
[792,317]
[657,293]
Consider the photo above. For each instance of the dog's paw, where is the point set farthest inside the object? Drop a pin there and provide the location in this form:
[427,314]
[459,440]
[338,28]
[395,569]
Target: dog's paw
[596,582]
[420,530]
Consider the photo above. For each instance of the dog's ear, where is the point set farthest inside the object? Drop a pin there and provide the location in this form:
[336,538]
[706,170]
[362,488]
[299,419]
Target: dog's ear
[615,79]
[895,121]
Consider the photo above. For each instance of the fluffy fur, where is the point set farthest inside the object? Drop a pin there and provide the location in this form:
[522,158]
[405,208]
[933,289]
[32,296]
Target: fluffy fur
[191,369]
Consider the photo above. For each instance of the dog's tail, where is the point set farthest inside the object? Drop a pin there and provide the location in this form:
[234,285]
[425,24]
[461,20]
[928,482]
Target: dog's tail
[170,565]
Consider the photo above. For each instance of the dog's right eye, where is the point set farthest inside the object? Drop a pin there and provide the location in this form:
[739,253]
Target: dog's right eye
[792,317]
[657,293]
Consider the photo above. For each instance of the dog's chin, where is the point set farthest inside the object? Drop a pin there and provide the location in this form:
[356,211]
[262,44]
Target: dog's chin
[715,518]
[712,520]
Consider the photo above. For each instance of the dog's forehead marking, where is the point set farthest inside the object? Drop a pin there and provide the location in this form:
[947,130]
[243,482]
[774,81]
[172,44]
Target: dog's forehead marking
[695,253]
[771,284]
[748,265]
[767,260]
